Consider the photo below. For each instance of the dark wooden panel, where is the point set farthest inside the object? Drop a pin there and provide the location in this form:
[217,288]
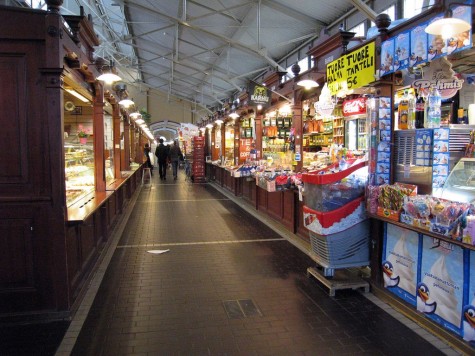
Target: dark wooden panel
[16,255]
[73,255]
[261,195]
[288,212]
[13,162]
[275,205]
[88,243]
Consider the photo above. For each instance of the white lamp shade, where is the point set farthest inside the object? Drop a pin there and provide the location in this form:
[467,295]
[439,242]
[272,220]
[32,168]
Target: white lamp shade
[126,102]
[109,78]
[219,121]
[234,115]
[447,27]
[308,83]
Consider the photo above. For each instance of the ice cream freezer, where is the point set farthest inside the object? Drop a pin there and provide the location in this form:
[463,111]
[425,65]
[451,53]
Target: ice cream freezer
[335,215]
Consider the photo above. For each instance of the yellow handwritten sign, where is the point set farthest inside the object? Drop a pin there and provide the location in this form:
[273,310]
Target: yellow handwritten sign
[355,69]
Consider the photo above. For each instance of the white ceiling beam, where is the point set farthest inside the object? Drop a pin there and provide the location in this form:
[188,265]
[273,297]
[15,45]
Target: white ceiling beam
[365,9]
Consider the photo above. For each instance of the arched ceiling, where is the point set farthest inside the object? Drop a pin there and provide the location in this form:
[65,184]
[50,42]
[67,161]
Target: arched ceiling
[205,51]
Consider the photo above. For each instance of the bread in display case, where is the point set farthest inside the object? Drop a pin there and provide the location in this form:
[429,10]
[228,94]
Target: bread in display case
[79,171]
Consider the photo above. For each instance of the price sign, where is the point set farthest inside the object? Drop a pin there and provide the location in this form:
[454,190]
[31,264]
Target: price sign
[353,70]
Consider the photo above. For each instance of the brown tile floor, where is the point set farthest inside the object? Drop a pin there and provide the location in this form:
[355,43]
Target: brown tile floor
[174,303]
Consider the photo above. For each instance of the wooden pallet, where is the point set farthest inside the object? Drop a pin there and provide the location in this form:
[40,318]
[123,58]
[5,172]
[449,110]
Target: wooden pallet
[342,279]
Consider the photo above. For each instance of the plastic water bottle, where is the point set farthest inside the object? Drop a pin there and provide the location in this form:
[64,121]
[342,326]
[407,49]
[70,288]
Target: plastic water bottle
[434,103]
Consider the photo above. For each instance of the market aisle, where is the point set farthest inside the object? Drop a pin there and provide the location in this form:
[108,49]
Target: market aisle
[228,285]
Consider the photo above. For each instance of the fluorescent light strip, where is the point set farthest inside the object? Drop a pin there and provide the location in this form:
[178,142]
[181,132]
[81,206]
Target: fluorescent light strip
[77,95]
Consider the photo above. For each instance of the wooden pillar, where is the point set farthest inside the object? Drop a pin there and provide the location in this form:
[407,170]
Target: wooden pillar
[258,141]
[116,140]
[98,129]
[297,124]
[53,256]
[125,156]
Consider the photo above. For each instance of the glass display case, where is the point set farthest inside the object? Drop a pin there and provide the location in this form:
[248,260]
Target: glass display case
[460,185]
[229,143]
[79,171]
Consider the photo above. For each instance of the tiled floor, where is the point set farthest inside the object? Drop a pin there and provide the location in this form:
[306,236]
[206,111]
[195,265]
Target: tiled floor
[221,282]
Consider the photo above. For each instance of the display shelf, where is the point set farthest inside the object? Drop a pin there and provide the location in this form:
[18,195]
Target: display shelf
[79,171]
[422,231]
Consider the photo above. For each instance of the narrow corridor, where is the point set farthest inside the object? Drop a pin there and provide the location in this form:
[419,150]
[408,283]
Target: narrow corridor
[223,283]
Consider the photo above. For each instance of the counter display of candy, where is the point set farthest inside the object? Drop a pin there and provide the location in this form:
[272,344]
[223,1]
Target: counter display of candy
[335,215]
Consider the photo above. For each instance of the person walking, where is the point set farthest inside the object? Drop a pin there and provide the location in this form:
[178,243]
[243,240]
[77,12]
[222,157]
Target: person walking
[175,156]
[146,152]
[162,157]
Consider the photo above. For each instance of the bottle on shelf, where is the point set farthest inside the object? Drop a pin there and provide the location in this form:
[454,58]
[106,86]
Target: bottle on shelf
[403,112]
[461,116]
[411,110]
[434,103]
[419,111]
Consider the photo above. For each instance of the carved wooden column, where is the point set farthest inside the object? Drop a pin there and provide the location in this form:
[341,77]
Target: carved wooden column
[98,128]
[116,139]
[125,156]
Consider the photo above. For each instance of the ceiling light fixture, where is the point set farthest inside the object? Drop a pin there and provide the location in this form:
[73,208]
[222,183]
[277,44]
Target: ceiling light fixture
[109,77]
[449,26]
[234,115]
[308,83]
[126,103]
[77,95]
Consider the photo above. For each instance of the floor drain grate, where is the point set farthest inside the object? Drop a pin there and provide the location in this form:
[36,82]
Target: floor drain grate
[242,308]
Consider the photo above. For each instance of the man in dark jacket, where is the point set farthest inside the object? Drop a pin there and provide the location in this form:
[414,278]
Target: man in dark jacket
[175,156]
[162,156]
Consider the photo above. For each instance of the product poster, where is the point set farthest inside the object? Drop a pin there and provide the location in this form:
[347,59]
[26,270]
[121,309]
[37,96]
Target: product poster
[418,45]
[462,40]
[387,57]
[437,46]
[400,262]
[440,168]
[401,55]
[441,284]
[468,310]
[383,163]
[423,147]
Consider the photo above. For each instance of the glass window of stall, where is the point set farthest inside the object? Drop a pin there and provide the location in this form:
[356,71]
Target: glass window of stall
[78,143]
[109,147]
[229,142]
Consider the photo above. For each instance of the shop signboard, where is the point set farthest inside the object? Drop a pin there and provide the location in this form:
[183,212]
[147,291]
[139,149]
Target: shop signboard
[400,262]
[352,70]
[259,95]
[441,76]
[244,148]
[441,284]
[354,107]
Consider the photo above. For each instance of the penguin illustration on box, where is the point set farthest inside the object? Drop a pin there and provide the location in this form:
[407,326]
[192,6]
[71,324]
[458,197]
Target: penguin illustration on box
[390,279]
[423,300]
[468,323]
